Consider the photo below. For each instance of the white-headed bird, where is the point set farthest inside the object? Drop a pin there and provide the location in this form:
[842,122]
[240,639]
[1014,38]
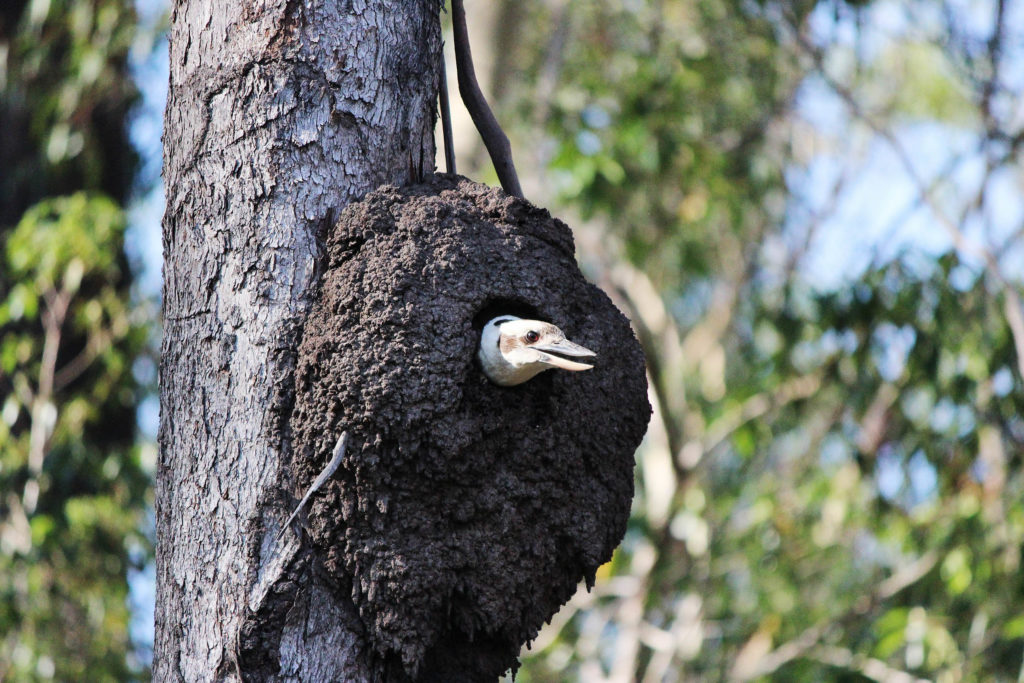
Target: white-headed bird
[513,350]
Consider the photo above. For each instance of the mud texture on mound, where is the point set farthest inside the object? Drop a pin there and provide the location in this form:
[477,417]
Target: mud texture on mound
[464,514]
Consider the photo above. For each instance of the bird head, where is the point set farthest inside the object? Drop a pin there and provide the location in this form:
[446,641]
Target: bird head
[513,350]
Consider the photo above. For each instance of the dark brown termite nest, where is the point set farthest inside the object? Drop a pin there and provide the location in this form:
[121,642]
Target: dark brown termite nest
[464,514]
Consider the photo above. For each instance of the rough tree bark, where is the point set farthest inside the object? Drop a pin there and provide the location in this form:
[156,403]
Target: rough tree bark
[279,113]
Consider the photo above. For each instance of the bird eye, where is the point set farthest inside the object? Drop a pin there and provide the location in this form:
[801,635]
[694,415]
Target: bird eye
[532,336]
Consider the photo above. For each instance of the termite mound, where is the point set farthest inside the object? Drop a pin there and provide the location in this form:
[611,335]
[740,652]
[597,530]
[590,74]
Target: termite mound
[464,514]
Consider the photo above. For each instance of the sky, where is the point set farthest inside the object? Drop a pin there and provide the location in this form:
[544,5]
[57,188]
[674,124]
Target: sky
[149,64]
[879,214]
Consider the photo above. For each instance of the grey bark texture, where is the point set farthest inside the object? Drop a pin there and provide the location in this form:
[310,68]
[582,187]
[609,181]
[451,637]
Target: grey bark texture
[279,113]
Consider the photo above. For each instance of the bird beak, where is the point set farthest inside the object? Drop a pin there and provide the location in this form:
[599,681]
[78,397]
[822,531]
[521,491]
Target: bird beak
[551,354]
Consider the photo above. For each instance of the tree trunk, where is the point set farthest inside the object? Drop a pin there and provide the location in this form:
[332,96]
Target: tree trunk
[278,114]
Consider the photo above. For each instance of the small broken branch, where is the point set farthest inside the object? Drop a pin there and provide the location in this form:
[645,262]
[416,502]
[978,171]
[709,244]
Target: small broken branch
[493,136]
[331,468]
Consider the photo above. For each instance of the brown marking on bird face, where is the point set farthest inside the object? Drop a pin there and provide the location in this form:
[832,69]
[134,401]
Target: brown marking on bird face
[507,342]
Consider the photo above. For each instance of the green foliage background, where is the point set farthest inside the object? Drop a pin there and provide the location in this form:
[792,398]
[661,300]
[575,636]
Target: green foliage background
[74,488]
[832,485]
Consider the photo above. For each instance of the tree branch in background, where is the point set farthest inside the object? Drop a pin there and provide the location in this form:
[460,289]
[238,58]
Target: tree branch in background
[43,410]
[869,667]
[632,290]
[1013,308]
[802,645]
[483,118]
[759,405]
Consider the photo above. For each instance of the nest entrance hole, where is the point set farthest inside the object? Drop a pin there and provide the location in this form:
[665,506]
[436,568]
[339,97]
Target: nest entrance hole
[492,308]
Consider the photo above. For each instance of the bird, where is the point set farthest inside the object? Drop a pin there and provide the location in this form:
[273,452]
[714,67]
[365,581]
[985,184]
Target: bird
[513,350]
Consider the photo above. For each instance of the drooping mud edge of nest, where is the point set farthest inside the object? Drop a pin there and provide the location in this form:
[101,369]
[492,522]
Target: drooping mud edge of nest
[464,514]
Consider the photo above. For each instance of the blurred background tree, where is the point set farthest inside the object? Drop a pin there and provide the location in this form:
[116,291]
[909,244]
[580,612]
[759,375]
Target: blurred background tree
[813,214]
[74,488]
